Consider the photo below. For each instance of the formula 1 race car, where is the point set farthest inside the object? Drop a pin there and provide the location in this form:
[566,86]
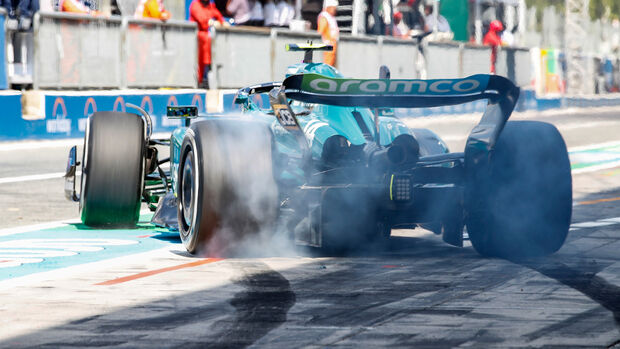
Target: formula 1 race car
[330,165]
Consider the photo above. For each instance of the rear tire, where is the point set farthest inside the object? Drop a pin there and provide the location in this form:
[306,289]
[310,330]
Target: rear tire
[226,189]
[519,203]
[112,169]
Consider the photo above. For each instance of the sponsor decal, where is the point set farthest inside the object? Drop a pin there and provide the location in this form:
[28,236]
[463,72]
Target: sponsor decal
[197,101]
[172,100]
[147,104]
[443,87]
[59,122]
[119,103]
[90,102]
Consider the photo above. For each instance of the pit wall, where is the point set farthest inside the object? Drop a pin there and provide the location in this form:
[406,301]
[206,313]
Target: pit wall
[37,115]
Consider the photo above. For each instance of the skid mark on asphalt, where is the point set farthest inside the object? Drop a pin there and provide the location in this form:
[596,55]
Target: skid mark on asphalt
[260,307]
[582,278]
[158,271]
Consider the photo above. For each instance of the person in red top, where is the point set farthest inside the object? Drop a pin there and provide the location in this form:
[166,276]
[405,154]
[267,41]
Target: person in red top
[205,14]
[493,39]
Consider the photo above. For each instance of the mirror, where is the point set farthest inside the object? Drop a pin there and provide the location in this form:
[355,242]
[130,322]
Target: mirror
[72,163]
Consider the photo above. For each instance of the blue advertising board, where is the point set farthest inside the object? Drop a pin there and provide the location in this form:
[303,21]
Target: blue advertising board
[64,114]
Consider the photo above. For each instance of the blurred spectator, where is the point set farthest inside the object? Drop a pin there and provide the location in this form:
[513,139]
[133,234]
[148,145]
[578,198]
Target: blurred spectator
[151,9]
[436,24]
[20,13]
[271,14]
[286,12]
[239,10]
[76,6]
[115,10]
[328,28]
[257,18]
[205,14]
[412,18]
[399,29]
[492,39]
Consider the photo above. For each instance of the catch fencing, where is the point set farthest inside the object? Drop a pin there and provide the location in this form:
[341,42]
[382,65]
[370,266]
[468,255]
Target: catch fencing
[74,51]
[243,57]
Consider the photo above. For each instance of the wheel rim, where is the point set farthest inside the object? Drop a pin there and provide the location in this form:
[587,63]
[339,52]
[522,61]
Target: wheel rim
[187,194]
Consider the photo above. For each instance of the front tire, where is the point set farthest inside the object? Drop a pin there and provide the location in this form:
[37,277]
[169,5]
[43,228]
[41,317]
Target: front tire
[226,188]
[112,169]
[519,202]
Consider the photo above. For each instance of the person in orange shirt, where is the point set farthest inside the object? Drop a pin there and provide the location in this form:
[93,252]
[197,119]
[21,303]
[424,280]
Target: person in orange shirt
[151,9]
[328,28]
[205,14]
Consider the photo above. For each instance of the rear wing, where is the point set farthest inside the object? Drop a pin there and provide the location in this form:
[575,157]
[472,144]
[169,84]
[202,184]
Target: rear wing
[400,93]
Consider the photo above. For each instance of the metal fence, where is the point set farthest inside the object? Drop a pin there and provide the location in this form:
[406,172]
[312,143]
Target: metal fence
[79,51]
[242,57]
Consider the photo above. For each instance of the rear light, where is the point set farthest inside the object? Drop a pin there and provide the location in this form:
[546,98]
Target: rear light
[400,188]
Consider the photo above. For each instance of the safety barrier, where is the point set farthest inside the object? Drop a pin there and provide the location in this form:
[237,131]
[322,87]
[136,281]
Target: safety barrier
[79,51]
[242,57]
[3,77]
[160,53]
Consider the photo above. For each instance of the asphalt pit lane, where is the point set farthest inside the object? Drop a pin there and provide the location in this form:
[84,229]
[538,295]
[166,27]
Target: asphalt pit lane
[583,279]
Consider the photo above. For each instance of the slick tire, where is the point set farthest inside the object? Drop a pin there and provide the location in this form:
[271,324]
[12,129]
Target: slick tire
[519,202]
[226,189]
[112,169]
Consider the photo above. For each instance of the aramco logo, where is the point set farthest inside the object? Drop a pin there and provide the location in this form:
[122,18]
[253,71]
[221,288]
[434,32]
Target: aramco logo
[119,104]
[90,102]
[147,104]
[197,101]
[58,123]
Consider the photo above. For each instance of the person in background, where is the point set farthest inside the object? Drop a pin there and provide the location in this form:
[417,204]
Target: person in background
[442,23]
[205,14]
[493,39]
[20,13]
[412,18]
[239,10]
[328,28]
[399,29]
[257,18]
[286,13]
[76,6]
[271,14]
[151,9]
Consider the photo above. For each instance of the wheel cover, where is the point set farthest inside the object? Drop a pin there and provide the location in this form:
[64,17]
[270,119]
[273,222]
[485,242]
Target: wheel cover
[187,192]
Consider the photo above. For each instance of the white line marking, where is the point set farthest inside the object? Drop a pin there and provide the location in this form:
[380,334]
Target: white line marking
[594,146]
[35,227]
[48,225]
[27,145]
[29,178]
[615,220]
[597,167]
[591,224]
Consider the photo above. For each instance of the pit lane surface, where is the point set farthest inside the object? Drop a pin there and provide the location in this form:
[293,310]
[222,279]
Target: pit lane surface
[145,291]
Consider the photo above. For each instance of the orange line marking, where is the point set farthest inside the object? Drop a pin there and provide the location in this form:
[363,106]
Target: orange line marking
[158,271]
[592,202]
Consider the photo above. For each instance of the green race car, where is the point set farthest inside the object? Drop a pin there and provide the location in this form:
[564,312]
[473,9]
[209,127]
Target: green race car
[329,165]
